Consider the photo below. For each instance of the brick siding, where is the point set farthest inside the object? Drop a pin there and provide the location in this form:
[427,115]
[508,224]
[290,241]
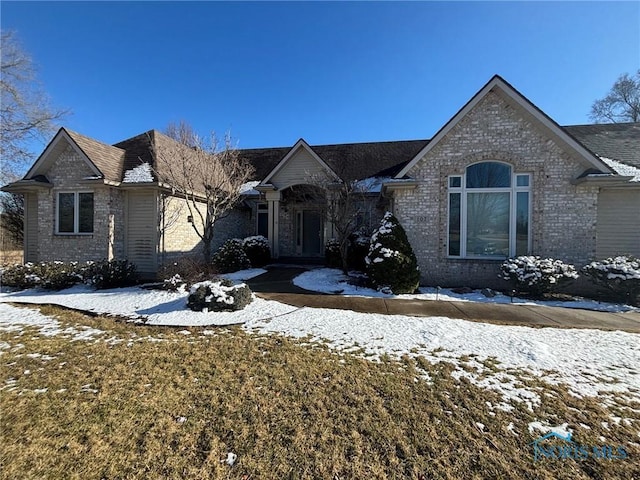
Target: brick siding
[67,174]
[563,215]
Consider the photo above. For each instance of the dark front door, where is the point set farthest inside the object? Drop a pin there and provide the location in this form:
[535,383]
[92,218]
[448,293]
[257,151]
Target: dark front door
[310,236]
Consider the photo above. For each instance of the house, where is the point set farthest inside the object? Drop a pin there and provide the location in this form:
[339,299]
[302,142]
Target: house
[499,179]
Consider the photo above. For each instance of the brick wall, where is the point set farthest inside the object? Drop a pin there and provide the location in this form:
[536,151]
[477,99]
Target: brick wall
[66,174]
[563,215]
[180,238]
[177,235]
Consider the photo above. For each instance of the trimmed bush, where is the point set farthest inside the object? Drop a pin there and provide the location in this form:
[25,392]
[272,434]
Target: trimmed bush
[332,256]
[21,276]
[49,275]
[230,257]
[59,275]
[257,250]
[112,274]
[391,263]
[620,275]
[535,275]
[357,251]
[220,295]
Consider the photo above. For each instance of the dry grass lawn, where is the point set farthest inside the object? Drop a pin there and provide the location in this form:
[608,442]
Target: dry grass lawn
[143,402]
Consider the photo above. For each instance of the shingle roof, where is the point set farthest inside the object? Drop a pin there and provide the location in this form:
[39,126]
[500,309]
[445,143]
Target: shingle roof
[350,161]
[138,151]
[109,159]
[618,141]
[355,161]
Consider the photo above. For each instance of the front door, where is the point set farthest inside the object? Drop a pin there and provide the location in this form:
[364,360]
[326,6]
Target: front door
[309,233]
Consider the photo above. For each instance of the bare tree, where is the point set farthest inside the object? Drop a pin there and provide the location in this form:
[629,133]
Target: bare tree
[343,208]
[26,114]
[622,103]
[207,174]
[12,207]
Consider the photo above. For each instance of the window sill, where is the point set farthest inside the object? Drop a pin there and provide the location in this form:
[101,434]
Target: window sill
[70,235]
[478,259]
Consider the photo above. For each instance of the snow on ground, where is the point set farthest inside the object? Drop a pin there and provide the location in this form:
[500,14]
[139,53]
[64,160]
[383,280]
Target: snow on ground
[157,307]
[589,361]
[244,274]
[331,280]
[13,319]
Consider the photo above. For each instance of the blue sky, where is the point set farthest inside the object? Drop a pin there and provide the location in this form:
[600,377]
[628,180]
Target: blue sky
[329,72]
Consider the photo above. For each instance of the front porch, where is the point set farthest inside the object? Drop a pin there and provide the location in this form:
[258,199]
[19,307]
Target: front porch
[296,226]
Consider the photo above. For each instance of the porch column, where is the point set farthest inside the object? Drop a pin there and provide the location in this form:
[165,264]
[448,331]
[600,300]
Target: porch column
[273,204]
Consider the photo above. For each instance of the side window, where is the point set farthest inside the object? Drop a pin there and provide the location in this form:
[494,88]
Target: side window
[262,220]
[74,212]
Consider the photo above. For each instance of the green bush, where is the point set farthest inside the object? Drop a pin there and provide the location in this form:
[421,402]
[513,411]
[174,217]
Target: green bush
[21,276]
[257,250]
[60,275]
[332,256]
[357,251]
[230,257]
[216,296]
[620,275]
[111,274]
[48,275]
[535,275]
[391,263]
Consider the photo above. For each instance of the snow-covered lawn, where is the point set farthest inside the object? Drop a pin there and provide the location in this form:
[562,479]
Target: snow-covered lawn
[589,361]
[331,280]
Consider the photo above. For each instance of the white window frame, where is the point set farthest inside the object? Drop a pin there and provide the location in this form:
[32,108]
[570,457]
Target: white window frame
[76,212]
[513,190]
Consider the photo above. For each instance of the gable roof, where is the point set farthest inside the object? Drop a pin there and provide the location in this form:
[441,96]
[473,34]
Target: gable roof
[105,160]
[300,144]
[497,83]
[608,148]
[350,161]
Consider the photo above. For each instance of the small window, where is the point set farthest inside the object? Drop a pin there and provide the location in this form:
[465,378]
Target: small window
[455,182]
[75,212]
[522,180]
[262,227]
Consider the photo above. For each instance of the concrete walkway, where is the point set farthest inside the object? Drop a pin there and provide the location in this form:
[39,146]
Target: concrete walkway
[276,285]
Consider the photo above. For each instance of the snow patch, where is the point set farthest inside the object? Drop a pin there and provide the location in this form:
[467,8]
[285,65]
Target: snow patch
[249,188]
[140,174]
[623,169]
[563,429]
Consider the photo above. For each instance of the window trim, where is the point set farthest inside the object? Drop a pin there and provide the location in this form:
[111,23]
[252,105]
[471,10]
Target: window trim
[513,191]
[76,211]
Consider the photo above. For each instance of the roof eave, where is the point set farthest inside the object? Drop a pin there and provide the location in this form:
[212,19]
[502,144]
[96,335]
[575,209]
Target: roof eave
[22,186]
[606,179]
[390,187]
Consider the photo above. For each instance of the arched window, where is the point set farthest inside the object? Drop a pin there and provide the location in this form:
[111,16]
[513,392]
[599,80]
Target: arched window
[489,212]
